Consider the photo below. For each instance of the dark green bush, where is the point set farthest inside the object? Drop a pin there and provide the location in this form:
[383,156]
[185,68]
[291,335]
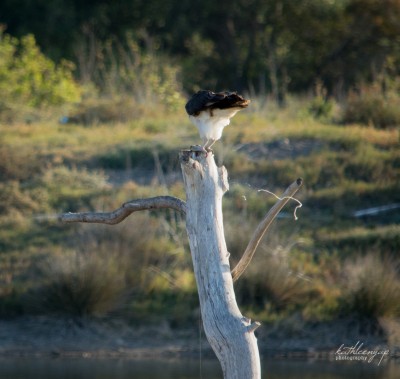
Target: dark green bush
[30,81]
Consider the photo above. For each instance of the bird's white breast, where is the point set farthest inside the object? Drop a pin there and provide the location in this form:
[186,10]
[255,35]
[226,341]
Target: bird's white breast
[211,127]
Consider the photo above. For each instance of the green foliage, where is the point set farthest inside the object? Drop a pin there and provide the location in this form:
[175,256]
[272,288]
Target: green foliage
[29,80]
[351,41]
[14,198]
[125,70]
[322,108]
[125,81]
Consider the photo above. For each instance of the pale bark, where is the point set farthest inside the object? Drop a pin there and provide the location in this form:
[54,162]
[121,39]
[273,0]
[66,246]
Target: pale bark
[230,334]
[125,210]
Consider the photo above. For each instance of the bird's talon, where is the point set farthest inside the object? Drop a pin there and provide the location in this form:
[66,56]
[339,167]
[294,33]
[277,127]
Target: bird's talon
[197,148]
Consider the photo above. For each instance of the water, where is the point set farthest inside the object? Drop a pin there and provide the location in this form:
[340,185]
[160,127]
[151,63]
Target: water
[80,368]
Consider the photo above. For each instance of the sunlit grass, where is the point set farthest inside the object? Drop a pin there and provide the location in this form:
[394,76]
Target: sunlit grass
[77,142]
[253,128]
[53,136]
[358,239]
[50,167]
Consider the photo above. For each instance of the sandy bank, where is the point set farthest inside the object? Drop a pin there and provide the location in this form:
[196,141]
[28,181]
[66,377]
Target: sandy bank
[51,336]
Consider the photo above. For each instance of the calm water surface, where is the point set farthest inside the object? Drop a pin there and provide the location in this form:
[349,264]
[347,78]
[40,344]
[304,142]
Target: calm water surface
[43,368]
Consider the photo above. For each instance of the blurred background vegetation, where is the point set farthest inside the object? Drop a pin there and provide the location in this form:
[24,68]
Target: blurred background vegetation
[92,115]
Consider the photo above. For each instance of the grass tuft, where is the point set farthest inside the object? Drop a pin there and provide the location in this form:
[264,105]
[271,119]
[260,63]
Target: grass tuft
[370,106]
[371,287]
[81,284]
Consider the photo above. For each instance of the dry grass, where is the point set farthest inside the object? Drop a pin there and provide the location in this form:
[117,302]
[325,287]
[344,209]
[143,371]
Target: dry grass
[103,266]
[265,129]
[372,106]
[371,287]
[82,284]
[275,280]
[50,166]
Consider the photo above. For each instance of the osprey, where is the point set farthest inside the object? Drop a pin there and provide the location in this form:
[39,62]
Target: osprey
[210,112]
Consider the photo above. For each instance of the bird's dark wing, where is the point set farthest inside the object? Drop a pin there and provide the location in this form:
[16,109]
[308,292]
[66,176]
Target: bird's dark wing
[203,100]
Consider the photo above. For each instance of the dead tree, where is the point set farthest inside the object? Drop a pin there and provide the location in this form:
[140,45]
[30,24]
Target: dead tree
[230,334]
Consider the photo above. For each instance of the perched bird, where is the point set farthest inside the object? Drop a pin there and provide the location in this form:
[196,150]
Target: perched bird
[210,112]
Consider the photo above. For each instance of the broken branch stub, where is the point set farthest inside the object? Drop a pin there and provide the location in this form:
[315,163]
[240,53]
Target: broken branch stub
[263,227]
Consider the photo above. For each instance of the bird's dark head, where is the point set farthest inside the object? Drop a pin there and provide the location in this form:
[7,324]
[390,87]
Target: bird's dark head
[208,100]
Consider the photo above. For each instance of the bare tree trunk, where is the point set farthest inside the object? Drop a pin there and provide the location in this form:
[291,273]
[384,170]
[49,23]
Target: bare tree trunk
[229,333]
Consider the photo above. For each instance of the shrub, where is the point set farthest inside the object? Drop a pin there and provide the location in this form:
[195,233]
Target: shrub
[322,108]
[14,198]
[371,287]
[28,79]
[18,164]
[149,77]
[127,74]
[283,285]
[273,283]
[81,284]
[104,269]
[370,105]
[131,82]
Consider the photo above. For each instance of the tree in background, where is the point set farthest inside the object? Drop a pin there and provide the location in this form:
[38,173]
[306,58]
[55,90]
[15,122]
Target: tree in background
[29,80]
[275,46]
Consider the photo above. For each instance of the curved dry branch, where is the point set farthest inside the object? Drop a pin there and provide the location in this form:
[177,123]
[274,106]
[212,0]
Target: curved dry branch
[262,229]
[120,214]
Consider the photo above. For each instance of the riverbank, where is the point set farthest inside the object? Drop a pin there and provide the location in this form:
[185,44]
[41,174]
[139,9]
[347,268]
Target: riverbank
[73,337]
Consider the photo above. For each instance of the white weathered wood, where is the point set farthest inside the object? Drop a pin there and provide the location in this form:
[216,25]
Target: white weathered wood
[229,333]
[120,214]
